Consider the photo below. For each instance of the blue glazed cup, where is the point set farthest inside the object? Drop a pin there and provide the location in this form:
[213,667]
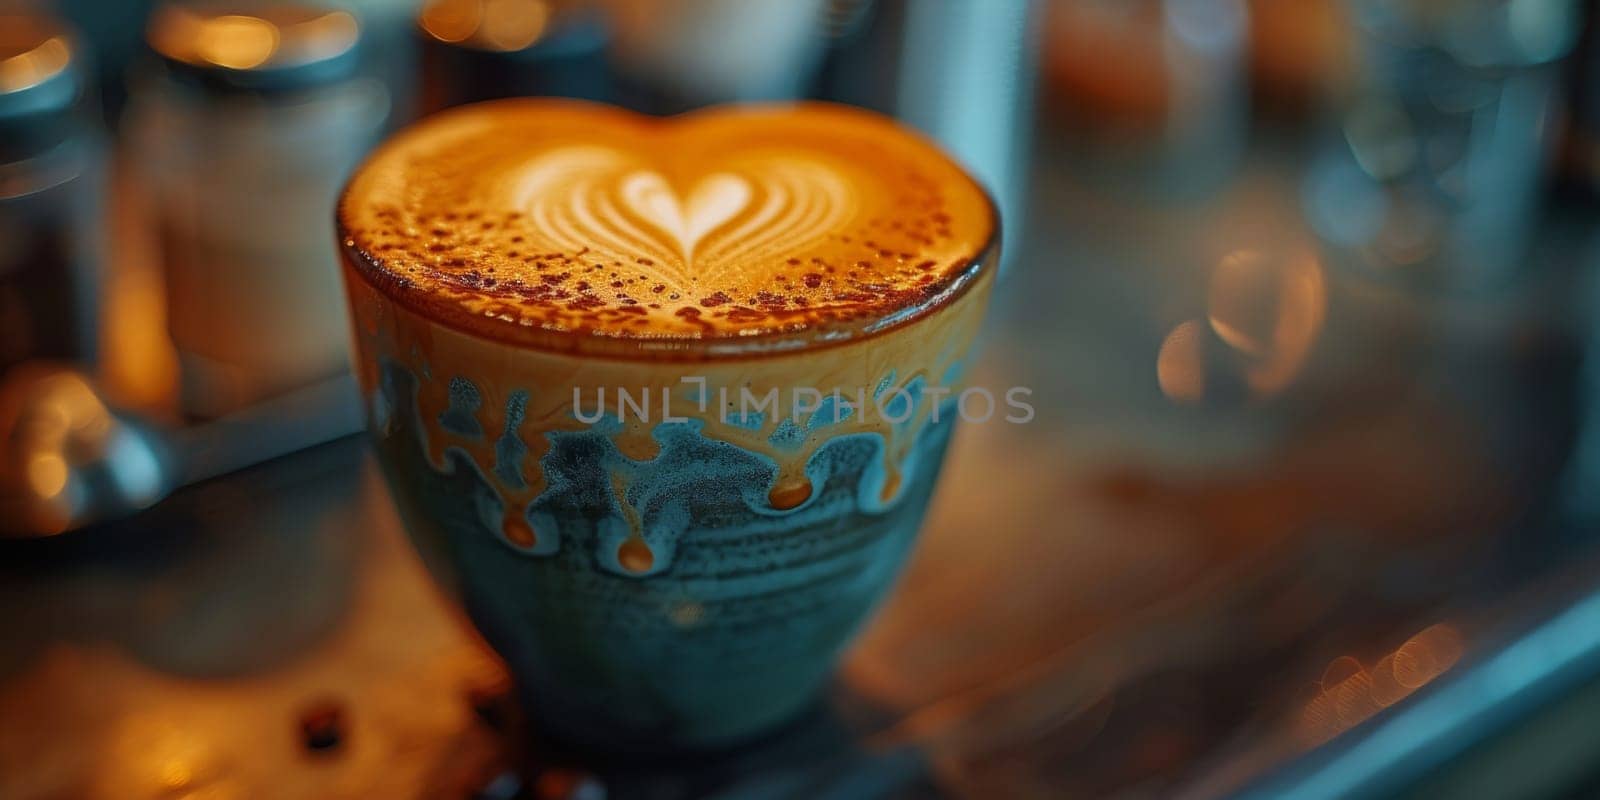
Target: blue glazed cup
[669,549]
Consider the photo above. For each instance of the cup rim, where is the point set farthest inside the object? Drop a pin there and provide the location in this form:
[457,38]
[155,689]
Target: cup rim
[677,346]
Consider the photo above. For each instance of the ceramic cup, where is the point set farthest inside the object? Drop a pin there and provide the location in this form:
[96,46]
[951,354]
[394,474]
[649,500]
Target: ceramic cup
[668,539]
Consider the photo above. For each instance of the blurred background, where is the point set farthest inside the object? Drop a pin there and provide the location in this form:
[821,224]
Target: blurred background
[1304,290]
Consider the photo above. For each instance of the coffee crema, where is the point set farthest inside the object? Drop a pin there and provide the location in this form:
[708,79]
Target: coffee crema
[519,219]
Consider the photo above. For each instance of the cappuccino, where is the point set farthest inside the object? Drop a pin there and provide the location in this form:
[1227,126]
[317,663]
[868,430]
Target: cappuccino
[667,570]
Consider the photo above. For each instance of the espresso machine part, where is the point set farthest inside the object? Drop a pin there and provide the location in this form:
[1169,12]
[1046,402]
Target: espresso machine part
[68,460]
[389,51]
[1151,95]
[673,57]
[474,50]
[243,136]
[962,71]
[1582,159]
[52,169]
[966,79]
[1444,148]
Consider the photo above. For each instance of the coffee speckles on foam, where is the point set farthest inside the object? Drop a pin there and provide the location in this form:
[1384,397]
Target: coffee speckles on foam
[523,218]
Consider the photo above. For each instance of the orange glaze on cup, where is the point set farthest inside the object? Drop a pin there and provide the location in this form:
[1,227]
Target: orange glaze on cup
[931,349]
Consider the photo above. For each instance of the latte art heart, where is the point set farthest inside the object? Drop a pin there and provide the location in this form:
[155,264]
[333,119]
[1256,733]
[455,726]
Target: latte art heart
[609,203]
[563,216]
[714,201]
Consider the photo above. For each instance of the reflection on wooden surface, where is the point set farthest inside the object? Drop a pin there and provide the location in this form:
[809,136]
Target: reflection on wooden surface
[1351,694]
[1046,606]
[183,668]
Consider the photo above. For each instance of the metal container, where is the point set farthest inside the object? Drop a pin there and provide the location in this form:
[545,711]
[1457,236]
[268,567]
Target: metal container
[244,134]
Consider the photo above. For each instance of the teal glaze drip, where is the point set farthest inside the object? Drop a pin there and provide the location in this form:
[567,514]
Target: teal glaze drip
[509,449]
[833,410]
[460,418]
[788,436]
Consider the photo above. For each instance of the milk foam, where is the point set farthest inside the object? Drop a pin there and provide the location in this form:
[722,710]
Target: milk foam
[557,215]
